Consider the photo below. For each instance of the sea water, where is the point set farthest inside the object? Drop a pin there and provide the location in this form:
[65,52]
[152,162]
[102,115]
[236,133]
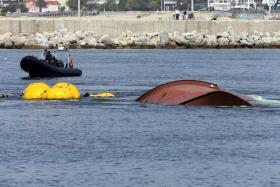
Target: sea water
[119,142]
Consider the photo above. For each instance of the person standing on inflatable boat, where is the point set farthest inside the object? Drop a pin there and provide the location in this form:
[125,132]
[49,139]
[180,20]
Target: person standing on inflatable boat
[70,62]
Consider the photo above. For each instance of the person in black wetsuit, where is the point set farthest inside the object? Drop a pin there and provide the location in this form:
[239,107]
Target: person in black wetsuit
[49,56]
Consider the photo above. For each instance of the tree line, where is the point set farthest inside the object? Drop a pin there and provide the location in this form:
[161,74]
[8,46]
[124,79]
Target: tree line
[124,5]
[110,5]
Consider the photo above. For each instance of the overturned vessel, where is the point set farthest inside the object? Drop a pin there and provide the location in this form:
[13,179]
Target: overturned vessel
[43,68]
[193,92]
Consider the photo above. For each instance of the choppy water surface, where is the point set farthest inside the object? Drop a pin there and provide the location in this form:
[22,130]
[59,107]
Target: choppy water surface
[118,142]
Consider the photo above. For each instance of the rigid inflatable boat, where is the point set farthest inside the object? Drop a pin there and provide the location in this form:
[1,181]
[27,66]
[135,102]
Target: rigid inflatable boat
[192,92]
[42,68]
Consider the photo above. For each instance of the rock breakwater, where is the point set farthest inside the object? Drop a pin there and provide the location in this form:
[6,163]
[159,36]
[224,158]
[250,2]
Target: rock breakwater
[129,39]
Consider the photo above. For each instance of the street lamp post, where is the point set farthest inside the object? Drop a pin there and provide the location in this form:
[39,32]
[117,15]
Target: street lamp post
[79,8]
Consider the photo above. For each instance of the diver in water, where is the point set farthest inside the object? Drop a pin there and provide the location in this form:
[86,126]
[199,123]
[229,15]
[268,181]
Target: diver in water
[2,95]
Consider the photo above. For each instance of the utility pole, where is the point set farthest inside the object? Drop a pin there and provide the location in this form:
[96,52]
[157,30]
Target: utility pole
[192,2]
[79,8]
[269,12]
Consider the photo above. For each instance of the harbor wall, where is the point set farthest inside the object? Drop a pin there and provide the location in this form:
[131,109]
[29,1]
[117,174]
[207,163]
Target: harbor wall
[116,27]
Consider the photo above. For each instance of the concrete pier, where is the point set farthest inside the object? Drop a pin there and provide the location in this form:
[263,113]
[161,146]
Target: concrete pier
[115,27]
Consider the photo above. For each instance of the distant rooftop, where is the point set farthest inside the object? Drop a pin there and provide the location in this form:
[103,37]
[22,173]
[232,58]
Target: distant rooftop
[101,1]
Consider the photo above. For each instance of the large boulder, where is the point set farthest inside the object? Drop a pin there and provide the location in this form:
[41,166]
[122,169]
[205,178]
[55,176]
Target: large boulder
[243,36]
[222,35]
[87,34]
[211,41]
[6,36]
[31,43]
[82,43]
[123,41]
[223,41]
[101,46]
[266,41]
[266,34]
[130,41]
[233,44]
[245,43]
[276,34]
[48,34]
[256,37]
[79,35]
[18,41]
[152,35]
[163,38]
[277,41]
[129,33]
[43,40]
[70,37]
[90,41]
[53,43]
[141,41]
[194,37]
[250,40]
[8,43]
[56,40]
[181,40]
[107,40]
[1,43]
[152,43]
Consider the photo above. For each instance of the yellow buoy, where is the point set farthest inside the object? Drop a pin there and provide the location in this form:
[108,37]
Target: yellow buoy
[58,93]
[35,90]
[103,94]
[73,89]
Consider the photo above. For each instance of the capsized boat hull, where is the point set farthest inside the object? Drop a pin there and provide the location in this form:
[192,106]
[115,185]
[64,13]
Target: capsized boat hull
[41,68]
[192,92]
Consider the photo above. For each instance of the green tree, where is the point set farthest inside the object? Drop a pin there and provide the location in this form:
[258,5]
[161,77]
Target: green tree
[73,4]
[41,4]
[62,9]
[154,5]
[13,7]
[133,4]
[111,5]
[122,4]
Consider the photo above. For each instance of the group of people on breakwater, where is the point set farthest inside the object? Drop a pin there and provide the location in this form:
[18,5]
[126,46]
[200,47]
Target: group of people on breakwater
[184,14]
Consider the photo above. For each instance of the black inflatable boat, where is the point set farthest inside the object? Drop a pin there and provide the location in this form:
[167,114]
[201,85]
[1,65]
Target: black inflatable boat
[42,68]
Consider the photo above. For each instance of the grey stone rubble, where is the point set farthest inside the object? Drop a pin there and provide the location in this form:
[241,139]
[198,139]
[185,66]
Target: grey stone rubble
[128,39]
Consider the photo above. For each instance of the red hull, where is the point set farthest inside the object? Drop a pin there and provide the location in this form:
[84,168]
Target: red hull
[191,92]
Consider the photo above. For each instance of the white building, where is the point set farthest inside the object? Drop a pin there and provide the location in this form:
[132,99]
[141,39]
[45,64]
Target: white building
[52,6]
[222,5]
[225,5]
[169,4]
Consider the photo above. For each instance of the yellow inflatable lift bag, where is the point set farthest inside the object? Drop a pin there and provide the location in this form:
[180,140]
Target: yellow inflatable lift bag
[61,90]
[104,94]
[58,93]
[73,89]
[35,90]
